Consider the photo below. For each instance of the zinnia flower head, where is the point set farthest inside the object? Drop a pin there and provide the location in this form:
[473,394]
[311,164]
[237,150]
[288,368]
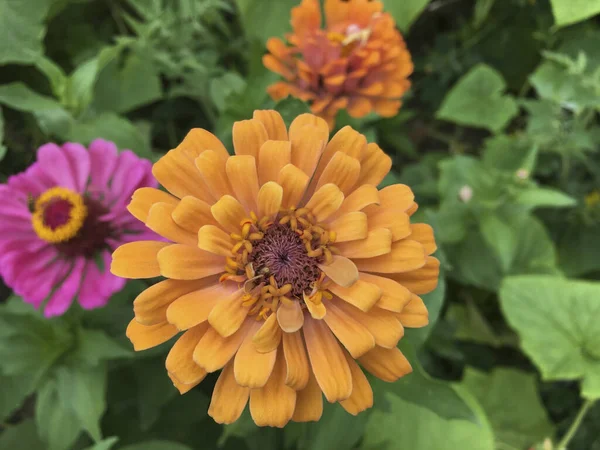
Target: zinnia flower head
[285,266]
[62,218]
[358,62]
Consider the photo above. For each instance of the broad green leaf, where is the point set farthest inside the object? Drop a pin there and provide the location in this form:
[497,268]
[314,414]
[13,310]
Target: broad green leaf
[22,30]
[105,444]
[57,424]
[154,390]
[455,219]
[500,236]
[544,197]
[482,11]
[567,12]
[408,425]
[578,249]
[51,116]
[273,17]
[157,445]
[224,86]
[13,391]
[509,154]
[512,404]
[83,389]
[21,436]
[113,128]
[55,74]
[405,12]
[124,87]
[290,108]
[557,320]
[477,100]
[3,148]
[95,346]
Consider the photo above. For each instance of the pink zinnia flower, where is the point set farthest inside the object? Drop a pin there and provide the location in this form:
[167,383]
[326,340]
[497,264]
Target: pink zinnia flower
[62,218]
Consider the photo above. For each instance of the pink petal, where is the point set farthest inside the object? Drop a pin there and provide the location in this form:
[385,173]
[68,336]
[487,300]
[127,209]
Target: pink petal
[127,176]
[62,298]
[39,285]
[103,157]
[79,160]
[33,181]
[97,286]
[56,164]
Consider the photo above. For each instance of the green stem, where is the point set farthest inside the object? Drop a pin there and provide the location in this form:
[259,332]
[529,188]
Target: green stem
[562,445]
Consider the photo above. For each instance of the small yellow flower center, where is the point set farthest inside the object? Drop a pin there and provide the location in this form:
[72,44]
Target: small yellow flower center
[278,261]
[59,214]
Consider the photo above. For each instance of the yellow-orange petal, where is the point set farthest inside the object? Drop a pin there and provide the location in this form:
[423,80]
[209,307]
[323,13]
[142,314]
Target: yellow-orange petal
[316,310]
[229,213]
[198,140]
[298,369]
[273,156]
[361,294]
[374,166]
[269,199]
[327,360]
[382,324]
[394,296]
[325,201]
[387,108]
[364,196]
[308,143]
[309,402]
[396,221]
[342,271]
[290,317]
[423,233]
[273,123]
[251,367]
[268,336]
[143,337]
[378,242]
[243,175]
[297,131]
[274,64]
[351,333]
[191,213]
[359,106]
[248,137]
[150,307]
[406,255]
[342,170]
[294,182]
[414,314]
[182,262]
[137,259]
[412,209]
[228,398]
[194,307]
[349,227]
[177,173]
[214,240]
[160,221]
[214,351]
[228,315]
[212,168]
[422,280]
[388,364]
[143,199]
[273,405]
[348,141]
[180,363]
[306,17]
[397,196]
[182,387]
[362,394]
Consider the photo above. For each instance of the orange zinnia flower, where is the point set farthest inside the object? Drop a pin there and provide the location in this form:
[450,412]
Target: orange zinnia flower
[358,62]
[285,264]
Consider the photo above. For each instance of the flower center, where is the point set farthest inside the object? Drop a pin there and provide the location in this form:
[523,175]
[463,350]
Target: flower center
[278,261]
[71,222]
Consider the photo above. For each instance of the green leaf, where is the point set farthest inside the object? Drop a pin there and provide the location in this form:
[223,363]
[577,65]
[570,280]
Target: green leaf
[408,425]
[51,116]
[509,154]
[14,391]
[22,30]
[228,84]
[113,128]
[557,320]
[512,404]
[273,17]
[123,88]
[405,12]
[3,148]
[95,346]
[477,100]
[57,424]
[567,12]
[55,75]
[157,445]
[105,444]
[501,237]
[578,249]
[155,390]
[290,108]
[544,197]
[482,11]
[24,435]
